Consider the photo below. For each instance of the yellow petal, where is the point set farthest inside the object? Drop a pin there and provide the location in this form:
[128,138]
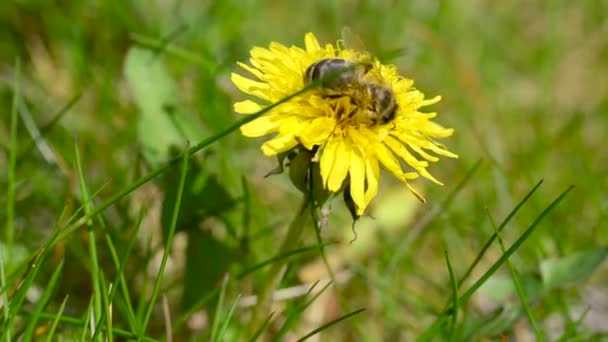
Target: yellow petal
[414,192]
[261,126]
[339,169]
[410,175]
[262,54]
[429,145]
[251,87]
[372,177]
[361,141]
[247,107]
[386,157]
[317,131]
[437,130]
[402,85]
[429,102]
[329,50]
[357,180]
[423,153]
[425,173]
[425,143]
[292,124]
[268,67]
[255,72]
[328,156]
[311,42]
[281,51]
[281,143]
[401,151]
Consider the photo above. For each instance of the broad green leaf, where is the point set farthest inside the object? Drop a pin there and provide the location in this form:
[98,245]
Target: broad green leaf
[160,124]
[555,273]
[571,269]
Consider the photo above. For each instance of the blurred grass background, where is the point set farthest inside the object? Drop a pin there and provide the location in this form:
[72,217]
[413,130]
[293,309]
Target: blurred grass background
[523,83]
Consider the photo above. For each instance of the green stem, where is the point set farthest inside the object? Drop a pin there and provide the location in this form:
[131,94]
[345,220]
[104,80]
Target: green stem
[277,269]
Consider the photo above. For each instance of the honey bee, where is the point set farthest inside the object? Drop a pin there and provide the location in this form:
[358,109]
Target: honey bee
[339,77]
[382,106]
[336,75]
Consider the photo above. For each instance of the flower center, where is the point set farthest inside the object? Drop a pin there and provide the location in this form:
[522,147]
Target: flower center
[355,108]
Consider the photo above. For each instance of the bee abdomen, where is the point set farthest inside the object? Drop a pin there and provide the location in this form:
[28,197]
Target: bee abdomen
[332,72]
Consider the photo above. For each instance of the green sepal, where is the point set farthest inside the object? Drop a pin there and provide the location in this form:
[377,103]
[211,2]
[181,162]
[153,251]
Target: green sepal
[280,164]
[319,194]
[299,168]
[350,203]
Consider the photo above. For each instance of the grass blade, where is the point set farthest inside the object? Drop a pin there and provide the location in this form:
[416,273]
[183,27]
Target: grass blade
[226,321]
[186,55]
[80,322]
[106,310]
[520,291]
[169,243]
[46,296]
[184,316]
[218,310]
[4,288]
[261,329]
[87,322]
[572,328]
[417,230]
[455,298]
[46,128]
[51,333]
[500,228]
[434,328]
[329,324]
[119,279]
[465,297]
[94,261]
[20,291]
[279,258]
[293,314]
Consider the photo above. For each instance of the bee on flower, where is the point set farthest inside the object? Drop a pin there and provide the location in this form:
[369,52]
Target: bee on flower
[359,116]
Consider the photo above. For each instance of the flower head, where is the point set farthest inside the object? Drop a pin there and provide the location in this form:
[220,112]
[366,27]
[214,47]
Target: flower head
[347,128]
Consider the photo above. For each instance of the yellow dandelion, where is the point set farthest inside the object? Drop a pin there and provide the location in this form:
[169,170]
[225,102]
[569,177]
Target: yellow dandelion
[351,138]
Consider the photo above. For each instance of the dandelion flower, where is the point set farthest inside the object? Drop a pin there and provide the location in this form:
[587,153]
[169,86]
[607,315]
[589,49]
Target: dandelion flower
[350,144]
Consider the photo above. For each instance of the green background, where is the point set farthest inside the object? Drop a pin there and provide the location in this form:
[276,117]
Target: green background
[523,83]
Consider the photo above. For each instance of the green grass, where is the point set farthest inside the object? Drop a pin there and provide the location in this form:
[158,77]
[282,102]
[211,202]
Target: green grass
[102,219]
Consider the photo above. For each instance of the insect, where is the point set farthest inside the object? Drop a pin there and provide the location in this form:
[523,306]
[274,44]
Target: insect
[336,75]
[339,77]
[382,106]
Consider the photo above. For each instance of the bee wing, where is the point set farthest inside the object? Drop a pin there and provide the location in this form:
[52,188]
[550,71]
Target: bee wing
[352,40]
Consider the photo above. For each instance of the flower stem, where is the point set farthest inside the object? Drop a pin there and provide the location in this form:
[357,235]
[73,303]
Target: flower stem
[277,269]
